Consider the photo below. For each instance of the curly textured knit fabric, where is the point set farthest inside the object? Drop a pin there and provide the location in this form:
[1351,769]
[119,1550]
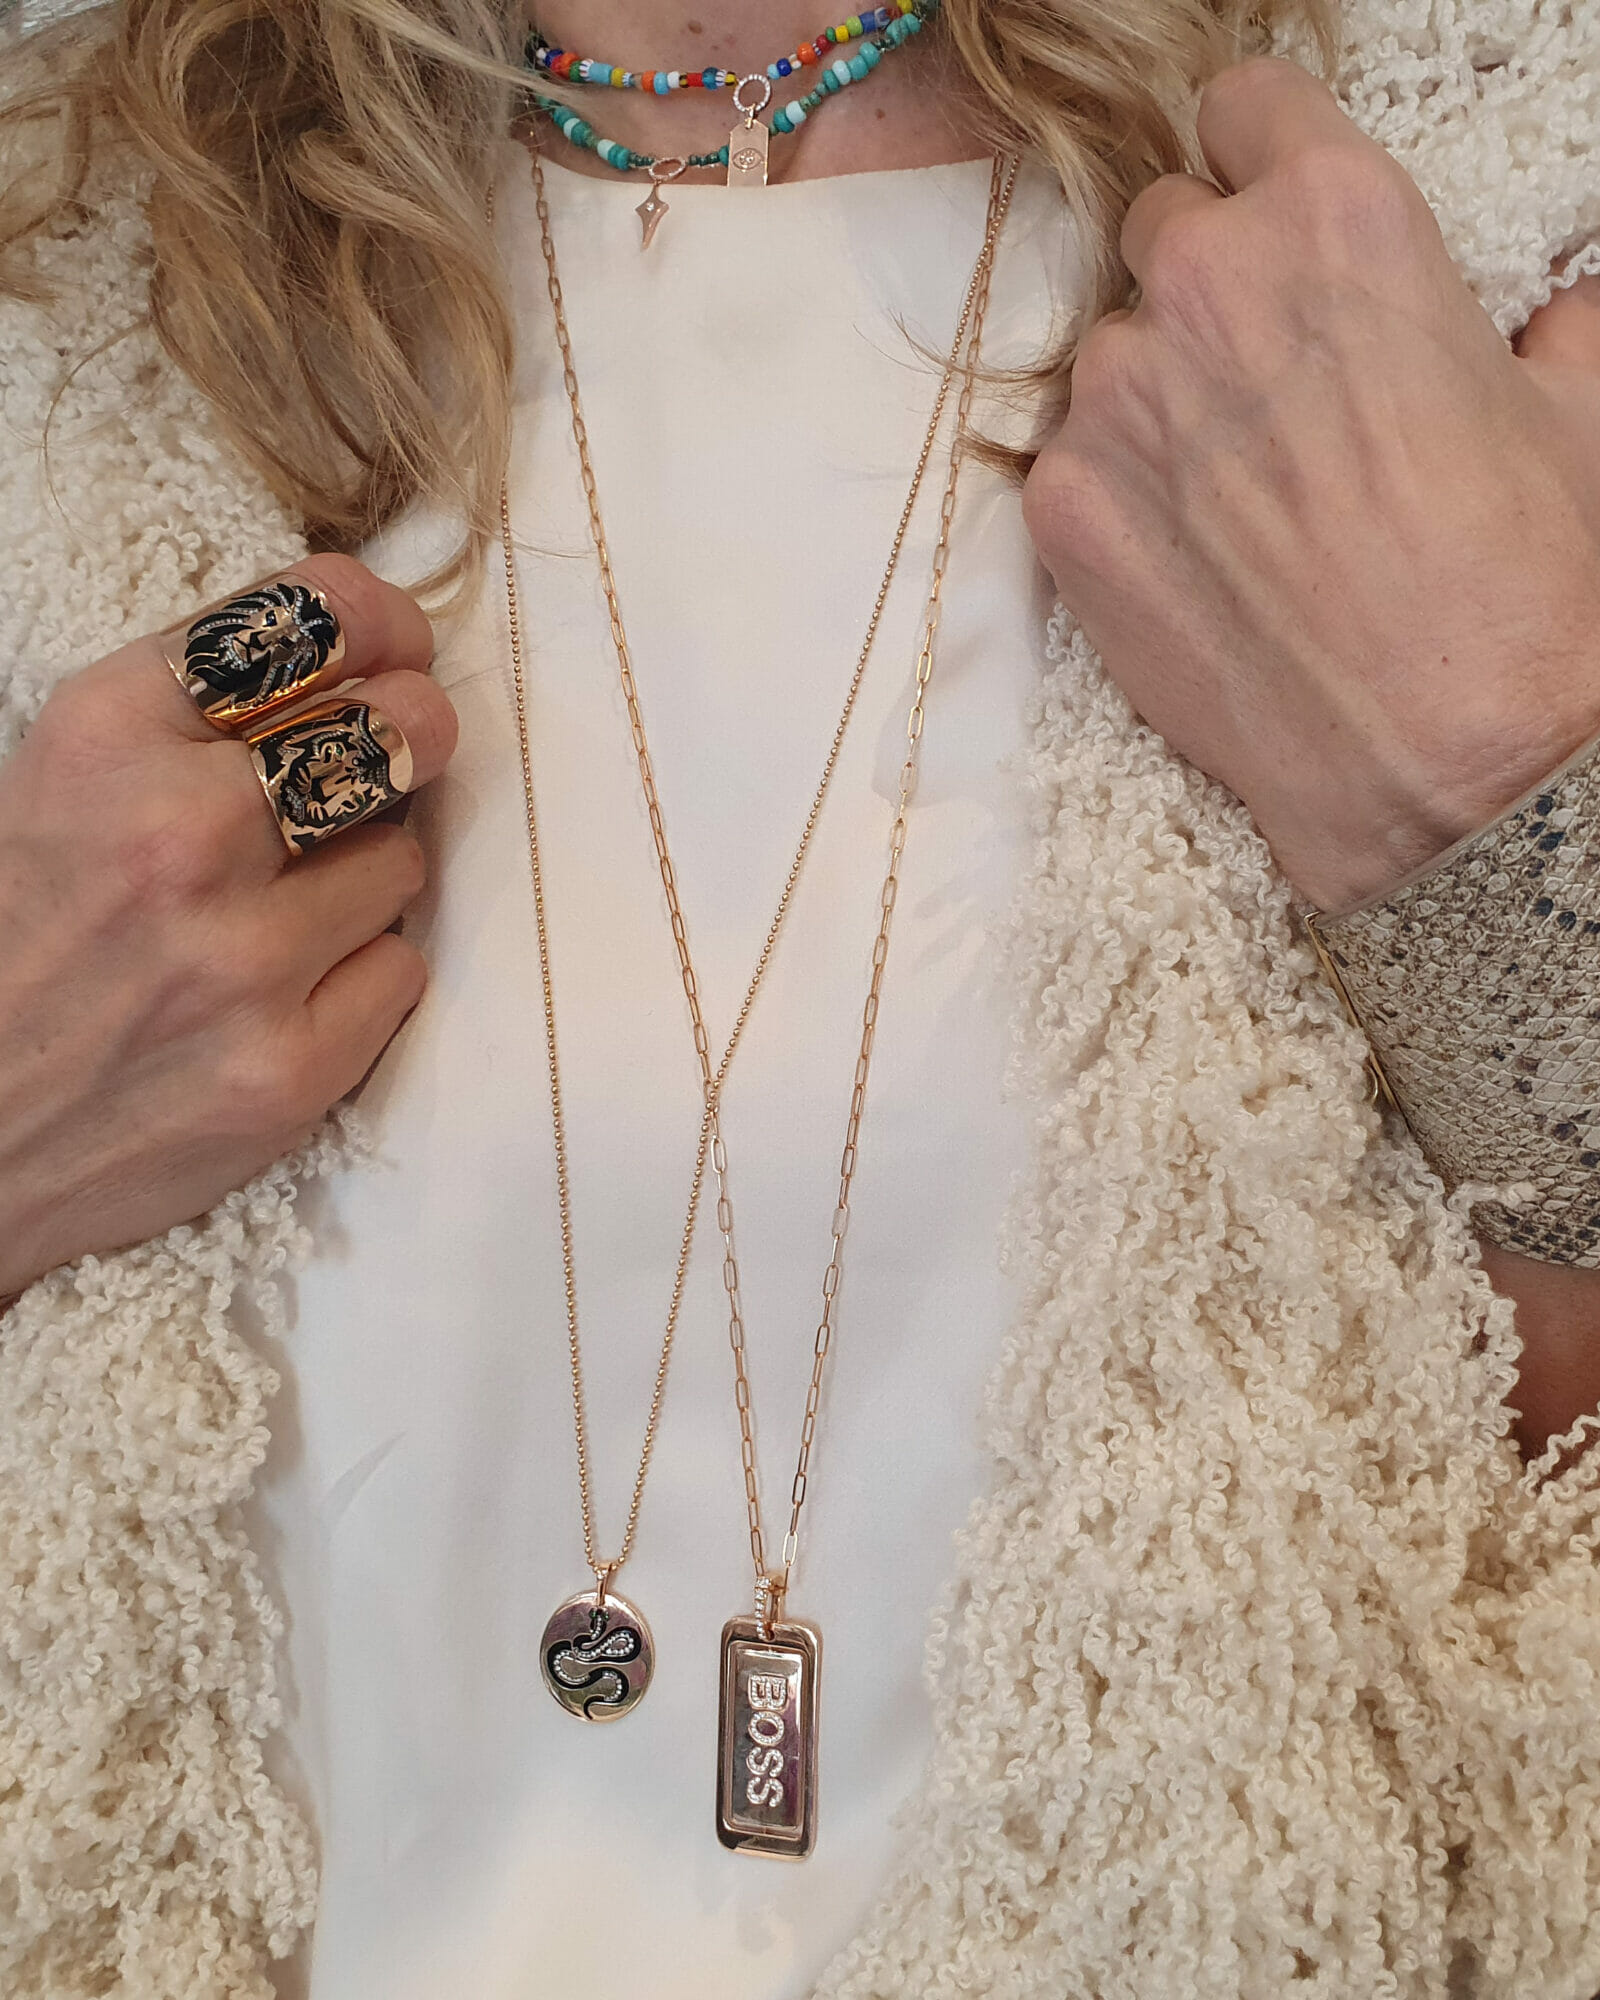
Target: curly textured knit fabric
[142,1850]
[1265,1667]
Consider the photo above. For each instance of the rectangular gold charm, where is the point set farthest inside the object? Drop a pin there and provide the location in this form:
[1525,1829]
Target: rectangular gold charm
[747,155]
[767,1739]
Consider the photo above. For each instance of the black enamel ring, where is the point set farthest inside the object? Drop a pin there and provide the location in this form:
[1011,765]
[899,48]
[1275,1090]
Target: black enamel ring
[255,654]
[328,768]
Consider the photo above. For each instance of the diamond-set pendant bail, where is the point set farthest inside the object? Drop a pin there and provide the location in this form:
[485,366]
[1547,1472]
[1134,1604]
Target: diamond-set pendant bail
[770,1592]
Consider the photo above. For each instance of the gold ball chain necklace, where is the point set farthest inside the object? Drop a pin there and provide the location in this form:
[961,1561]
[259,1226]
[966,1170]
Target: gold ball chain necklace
[596,1654]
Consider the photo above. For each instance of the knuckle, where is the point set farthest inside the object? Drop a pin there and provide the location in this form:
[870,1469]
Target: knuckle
[394,975]
[69,703]
[75,732]
[1059,507]
[212,972]
[373,866]
[389,857]
[1240,90]
[1183,258]
[406,973]
[164,859]
[405,970]
[1566,329]
[408,860]
[1351,197]
[229,804]
[446,726]
[423,710]
[184,841]
[269,1085]
[1102,368]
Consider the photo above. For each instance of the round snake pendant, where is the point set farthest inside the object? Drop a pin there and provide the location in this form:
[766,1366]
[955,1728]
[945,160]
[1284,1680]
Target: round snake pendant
[597,1656]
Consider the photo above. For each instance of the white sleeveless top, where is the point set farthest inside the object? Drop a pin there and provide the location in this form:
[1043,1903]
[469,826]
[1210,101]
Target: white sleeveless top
[756,388]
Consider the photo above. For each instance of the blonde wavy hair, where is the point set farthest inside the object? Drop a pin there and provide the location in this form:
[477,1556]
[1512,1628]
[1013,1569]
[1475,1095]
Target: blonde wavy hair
[324,268]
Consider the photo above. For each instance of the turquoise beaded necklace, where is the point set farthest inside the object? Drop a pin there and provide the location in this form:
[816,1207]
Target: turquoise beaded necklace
[579,133]
[879,31]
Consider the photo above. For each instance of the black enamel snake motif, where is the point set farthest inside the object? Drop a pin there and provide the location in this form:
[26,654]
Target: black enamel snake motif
[596,1661]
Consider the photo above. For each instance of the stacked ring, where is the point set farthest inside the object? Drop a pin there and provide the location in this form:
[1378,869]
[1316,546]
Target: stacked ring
[329,767]
[250,664]
[254,654]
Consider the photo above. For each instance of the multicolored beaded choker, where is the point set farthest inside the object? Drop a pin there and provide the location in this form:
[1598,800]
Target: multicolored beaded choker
[879,31]
[543,55]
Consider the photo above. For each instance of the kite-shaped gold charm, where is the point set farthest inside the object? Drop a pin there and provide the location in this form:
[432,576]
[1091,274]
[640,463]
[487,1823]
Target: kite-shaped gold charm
[650,212]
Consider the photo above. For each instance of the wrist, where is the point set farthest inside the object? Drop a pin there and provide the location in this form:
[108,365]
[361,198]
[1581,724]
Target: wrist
[1416,810]
[1474,982]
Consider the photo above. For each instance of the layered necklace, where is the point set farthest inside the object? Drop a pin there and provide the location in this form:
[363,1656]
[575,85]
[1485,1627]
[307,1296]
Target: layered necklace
[596,1655]
[844,54]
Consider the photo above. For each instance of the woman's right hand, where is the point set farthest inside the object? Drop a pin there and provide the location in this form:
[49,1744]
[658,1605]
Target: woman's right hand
[181,1001]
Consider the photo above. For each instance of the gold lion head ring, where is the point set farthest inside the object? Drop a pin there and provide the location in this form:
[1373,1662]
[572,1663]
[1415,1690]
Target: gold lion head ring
[251,665]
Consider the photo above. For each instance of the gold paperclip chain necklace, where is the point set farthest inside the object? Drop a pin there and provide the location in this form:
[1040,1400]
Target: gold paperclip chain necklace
[596,1652]
[767,1713]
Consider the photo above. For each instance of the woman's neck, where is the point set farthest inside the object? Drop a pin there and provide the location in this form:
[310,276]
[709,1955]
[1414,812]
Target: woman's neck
[915,109]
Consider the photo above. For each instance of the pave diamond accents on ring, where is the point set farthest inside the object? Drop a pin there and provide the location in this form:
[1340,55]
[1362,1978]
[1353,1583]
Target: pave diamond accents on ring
[597,1656]
[258,652]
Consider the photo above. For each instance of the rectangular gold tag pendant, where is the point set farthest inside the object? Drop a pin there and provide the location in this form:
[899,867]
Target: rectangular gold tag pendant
[767,1739]
[747,155]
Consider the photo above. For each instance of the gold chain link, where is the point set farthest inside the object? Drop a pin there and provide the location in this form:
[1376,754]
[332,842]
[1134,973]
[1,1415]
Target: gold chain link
[710,1136]
[973,310]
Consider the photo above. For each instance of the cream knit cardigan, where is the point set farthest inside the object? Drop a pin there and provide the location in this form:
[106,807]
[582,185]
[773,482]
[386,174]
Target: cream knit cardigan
[1265,1669]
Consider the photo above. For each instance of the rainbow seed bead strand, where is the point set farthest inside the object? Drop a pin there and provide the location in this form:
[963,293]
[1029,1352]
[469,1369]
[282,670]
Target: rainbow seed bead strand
[566,67]
[842,72]
[852,30]
[577,131]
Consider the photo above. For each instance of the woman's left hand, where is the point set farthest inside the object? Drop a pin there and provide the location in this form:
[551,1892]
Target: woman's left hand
[1338,543]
